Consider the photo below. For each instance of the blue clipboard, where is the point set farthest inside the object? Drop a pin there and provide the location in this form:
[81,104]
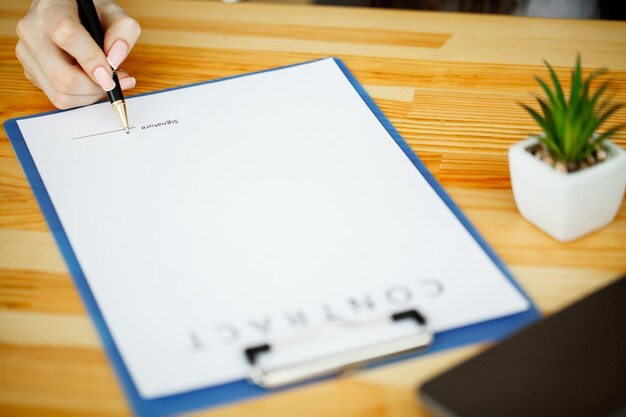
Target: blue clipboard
[240,390]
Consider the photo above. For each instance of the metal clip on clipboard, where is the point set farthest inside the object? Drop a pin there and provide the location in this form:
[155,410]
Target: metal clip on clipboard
[336,363]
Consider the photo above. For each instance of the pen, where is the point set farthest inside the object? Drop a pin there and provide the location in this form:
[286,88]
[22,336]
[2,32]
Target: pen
[91,22]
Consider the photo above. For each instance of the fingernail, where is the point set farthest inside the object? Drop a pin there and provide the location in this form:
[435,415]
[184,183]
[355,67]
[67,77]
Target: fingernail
[127,83]
[104,79]
[117,53]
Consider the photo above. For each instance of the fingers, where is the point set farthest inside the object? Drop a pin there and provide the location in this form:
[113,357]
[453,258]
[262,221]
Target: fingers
[69,35]
[121,34]
[127,82]
[38,78]
[58,68]
[60,57]
[59,90]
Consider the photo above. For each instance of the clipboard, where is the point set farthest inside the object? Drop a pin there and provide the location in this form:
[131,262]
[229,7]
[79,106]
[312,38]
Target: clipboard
[239,390]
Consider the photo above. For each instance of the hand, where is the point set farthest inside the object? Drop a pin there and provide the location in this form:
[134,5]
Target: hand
[61,58]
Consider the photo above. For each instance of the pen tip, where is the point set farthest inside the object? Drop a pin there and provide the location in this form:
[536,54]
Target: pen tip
[120,108]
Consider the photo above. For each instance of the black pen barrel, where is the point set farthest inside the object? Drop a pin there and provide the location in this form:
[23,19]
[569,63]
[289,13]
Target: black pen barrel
[116,93]
[90,20]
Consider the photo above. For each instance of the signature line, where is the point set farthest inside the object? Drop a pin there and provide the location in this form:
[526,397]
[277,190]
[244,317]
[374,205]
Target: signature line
[102,133]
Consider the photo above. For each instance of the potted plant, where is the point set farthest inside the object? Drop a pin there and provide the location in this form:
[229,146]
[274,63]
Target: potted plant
[570,179]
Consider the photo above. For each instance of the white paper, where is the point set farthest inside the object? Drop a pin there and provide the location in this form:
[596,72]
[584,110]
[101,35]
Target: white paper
[260,206]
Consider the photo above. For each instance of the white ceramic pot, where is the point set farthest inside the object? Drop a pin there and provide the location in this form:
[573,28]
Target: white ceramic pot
[567,206]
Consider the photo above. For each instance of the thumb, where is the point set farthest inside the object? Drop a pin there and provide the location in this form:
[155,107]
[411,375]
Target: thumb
[121,34]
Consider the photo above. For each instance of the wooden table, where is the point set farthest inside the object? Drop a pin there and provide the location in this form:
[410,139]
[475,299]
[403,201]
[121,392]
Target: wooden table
[448,82]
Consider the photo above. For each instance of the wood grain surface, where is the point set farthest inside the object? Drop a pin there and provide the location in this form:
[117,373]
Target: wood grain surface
[448,82]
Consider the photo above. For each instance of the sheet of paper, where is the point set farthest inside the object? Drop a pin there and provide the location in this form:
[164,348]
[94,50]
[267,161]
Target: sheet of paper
[242,210]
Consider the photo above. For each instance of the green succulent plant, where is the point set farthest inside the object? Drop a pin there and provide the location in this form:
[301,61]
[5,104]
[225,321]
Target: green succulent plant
[570,126]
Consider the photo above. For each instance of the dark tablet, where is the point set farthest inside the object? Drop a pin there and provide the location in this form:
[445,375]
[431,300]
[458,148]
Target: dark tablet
[570,364]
